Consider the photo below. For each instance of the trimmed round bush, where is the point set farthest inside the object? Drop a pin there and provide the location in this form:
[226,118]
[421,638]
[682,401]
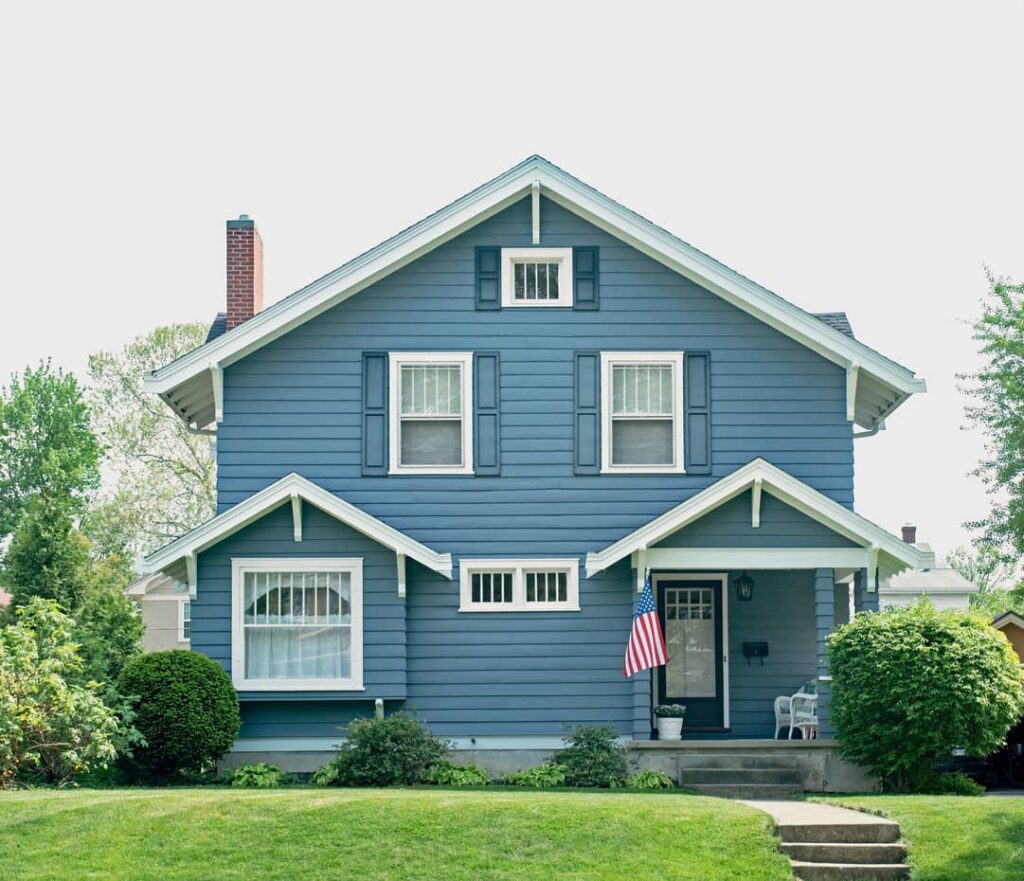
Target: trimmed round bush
[186,708]
[911,684]
[593,757]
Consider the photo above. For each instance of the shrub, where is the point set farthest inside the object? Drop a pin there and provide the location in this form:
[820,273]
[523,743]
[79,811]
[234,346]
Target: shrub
[542,777]
[186,708]
[594,757]
[447,774]
[51,727]
[957,783]
[258,776]
[650,780]
[394,751]
[910,684]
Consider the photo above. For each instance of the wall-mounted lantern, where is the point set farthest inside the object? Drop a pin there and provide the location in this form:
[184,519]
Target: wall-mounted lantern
[744,588]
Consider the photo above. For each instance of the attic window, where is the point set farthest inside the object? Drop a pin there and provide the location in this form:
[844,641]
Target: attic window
[528,585]
[536,277]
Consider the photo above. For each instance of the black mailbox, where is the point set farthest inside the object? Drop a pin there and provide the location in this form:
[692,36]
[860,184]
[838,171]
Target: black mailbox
[755,650]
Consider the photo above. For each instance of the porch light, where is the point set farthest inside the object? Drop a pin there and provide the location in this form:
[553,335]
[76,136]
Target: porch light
[744,588]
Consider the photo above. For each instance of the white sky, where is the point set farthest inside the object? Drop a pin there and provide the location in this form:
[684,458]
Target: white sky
[857,156]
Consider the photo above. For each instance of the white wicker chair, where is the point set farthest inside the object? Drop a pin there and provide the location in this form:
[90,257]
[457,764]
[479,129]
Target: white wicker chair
[783,715]
[803,710]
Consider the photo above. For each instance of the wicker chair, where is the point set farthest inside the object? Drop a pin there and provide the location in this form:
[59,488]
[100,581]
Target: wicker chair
[803,710]
[783,715]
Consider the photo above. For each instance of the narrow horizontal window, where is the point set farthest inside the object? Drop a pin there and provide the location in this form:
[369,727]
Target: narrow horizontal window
[185,631]
[430,425]
[536,277]
[642,400]
[528,585]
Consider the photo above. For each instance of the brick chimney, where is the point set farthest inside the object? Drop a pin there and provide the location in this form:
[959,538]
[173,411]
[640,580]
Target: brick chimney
[244,270]
[910,534]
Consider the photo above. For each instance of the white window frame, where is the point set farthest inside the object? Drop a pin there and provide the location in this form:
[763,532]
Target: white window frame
[561,256]
[396,360]
[241,566]
[181,621]
[608,360]
[519,568]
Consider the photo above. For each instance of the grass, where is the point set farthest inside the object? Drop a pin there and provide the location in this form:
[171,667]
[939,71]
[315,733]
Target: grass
[953,838]
[177,834]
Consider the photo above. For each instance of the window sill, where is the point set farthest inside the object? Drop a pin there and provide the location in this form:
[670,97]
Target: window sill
[406,470]
[642,469]
[298,685]
[513,608]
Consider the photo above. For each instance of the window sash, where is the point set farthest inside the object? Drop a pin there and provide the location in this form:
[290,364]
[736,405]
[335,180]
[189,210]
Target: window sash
[536,277]
[525,585]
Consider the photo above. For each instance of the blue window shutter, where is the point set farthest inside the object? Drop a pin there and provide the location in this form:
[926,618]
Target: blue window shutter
[486,413]
[697,410]
[488,278]
[586,290]
[375,414]
[587,413]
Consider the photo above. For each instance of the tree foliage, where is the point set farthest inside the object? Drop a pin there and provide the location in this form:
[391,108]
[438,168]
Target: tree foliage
[51,726]
[47,446]
[995,574]
[108,625]
[997,390]
[162,477]
[911,684]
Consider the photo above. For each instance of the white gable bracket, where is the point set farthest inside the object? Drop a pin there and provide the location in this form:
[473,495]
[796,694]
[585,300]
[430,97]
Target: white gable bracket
[852,373]
[755,503]
[872,568]
[400,564]
[297,516]
[535,198]
[217,380]
[193,580]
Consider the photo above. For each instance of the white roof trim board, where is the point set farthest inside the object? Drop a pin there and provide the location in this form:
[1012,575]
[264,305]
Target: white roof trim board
[187,384]
[795,493]
[256,506]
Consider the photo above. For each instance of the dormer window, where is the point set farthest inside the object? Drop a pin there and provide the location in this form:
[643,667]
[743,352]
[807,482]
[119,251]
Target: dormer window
[536,277]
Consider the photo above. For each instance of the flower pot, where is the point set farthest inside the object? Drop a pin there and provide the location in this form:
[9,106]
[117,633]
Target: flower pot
[670,727]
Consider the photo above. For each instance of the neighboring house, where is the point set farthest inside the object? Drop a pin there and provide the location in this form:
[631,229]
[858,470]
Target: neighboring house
[166,613]
[1012,626]
[945,588]
[444,469]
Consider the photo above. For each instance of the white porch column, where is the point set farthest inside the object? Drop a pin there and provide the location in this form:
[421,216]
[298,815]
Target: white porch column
[824,621]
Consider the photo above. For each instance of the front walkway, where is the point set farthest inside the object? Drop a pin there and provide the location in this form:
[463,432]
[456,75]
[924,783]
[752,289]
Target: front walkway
[827,842]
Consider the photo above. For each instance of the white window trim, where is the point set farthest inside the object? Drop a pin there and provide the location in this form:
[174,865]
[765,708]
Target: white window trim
[395,362]
[181,622]
[240,566]
[562,256]
[519,568]
[607,360]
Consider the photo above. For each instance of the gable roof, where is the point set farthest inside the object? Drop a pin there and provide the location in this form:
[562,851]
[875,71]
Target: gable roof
[1000,621]
[190,385]
[894,554]
[171,558]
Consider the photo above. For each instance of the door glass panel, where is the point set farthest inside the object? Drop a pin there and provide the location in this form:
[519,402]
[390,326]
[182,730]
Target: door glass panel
[690,638]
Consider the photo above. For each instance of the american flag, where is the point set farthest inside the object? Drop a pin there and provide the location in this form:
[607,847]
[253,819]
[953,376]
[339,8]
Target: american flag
[646,646]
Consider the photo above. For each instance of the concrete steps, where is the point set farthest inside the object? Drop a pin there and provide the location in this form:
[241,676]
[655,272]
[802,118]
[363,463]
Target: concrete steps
[741,776]
[826,843]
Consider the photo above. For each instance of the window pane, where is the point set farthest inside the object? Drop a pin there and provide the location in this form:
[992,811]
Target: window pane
[552,281]
[431,389]
[520,280]
[315,652]
[531,281]
[642,442]
[431,442]
[642,390]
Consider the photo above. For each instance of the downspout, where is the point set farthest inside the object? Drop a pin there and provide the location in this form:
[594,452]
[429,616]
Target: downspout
[206,432]
[871,432]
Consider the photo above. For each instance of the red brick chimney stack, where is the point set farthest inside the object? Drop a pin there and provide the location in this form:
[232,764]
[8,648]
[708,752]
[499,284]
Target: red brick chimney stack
[244,270]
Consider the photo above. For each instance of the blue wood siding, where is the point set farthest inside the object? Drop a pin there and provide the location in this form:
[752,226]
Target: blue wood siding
[297,405]
[782,526]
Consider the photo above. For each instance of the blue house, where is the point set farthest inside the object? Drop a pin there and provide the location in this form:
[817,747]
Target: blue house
[445,468]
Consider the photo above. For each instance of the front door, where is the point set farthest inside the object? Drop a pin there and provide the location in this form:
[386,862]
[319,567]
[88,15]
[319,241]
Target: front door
[691,618]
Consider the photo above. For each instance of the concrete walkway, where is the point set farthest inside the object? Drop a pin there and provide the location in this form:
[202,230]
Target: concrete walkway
[827,843]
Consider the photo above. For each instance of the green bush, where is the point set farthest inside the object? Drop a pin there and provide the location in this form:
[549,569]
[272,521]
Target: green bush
[186,708]
[955,784]
[52,728]
[594,757]
[447,774]
[542,777]
[650,780]
[257,776]
[394,751]
[910,684]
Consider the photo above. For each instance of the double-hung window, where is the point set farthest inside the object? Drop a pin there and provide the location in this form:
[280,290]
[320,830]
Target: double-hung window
[431,428]
[529,585]
[185,621]
[536,276]
[297,624]
[641,399]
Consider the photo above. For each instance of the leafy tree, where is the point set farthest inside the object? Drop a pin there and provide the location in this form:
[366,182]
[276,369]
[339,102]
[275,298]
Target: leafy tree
[51,726]
[997,390]
[47,556]
[108,626]
[163,476]
[46,443]
[911,684]
[994,573]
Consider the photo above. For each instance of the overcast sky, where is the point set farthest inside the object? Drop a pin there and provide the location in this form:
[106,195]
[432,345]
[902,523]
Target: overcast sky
[860,156]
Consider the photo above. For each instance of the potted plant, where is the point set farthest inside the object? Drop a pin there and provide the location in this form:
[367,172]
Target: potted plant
[670,721]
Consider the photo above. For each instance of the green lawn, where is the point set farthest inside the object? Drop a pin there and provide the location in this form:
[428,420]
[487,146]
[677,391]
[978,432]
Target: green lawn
[955,839]
[381,834]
